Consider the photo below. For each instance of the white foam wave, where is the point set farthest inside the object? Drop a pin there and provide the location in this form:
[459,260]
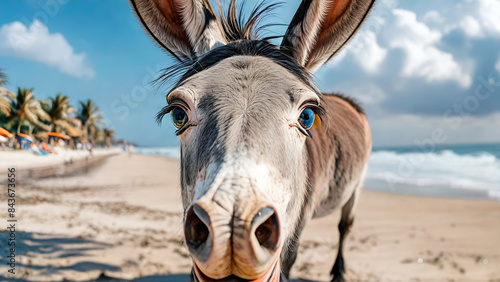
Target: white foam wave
[445,168]
[172,152]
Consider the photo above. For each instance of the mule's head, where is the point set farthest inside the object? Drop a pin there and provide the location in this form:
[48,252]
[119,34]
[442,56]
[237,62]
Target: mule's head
[244,110]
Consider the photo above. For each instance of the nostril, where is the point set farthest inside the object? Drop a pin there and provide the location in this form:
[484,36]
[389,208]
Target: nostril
[196,230]
[267,231]
[263,234]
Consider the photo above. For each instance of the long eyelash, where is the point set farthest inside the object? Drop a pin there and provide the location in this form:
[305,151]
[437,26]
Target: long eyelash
[168,108]
[163,112]
[317,108]
[182,129]
[310,134]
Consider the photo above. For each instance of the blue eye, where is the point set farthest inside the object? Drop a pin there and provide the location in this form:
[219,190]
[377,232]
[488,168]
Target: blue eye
[179,117]
[306,118]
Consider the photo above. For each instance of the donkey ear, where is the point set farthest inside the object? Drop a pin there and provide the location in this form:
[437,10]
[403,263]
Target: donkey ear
[185,28]
[321,28]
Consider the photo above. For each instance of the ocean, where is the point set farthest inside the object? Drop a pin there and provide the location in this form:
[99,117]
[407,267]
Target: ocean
[458,171]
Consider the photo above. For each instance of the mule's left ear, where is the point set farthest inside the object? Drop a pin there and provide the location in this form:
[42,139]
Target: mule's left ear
[320,28]
[185,28]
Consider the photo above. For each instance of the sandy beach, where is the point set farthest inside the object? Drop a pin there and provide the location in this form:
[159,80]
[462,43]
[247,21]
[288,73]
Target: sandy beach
[123,220]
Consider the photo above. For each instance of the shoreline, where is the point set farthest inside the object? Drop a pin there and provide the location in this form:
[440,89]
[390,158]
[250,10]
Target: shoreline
[123,222]
[66,163]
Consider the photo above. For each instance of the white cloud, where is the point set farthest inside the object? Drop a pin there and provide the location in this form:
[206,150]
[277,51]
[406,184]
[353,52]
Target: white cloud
[497,66]
[471,27]
[364,49]
[489,15]
[419,42]
[370,55]
[36,43]
[368,93]
[433,17]
[476,19]
[423,58]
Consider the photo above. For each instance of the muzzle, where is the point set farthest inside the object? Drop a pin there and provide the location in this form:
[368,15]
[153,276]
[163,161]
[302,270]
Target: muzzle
[241,243]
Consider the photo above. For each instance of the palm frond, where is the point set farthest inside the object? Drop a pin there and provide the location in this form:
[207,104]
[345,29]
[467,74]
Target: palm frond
[3,77]
[5,107]
[6,93]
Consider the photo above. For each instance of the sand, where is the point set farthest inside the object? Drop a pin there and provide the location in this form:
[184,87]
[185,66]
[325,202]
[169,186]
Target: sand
[123,220]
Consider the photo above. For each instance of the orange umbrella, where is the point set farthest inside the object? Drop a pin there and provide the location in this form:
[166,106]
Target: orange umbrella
[46,148]
[59,135]
[5,133]
[26,136]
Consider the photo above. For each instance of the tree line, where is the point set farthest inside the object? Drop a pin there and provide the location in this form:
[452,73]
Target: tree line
[21,112]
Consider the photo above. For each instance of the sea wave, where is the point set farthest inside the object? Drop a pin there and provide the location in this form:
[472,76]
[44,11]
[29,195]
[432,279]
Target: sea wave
[172,152]
[479,170]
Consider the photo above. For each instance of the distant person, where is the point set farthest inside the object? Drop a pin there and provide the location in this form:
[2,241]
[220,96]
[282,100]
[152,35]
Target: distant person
[90,147]
[3,142]
[61,143]
[130,150]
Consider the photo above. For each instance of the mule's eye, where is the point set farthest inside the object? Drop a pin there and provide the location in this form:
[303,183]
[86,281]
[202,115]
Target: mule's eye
[179,117]
[306,118]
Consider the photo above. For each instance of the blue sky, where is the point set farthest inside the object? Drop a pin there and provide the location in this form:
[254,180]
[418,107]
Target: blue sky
[425,71]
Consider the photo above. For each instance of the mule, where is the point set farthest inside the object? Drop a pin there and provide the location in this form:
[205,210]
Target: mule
[263,151]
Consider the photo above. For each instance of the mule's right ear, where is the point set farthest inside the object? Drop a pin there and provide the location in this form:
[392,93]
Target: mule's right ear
[321,28]
[185,28]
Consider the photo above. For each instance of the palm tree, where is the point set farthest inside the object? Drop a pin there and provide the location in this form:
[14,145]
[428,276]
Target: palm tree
[93,133]
[109,135]
[23,107]
[59,111]
[5,95]
[90,117]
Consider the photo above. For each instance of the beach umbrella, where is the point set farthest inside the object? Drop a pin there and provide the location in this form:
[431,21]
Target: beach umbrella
[25,136]
[5,133]
[59,135]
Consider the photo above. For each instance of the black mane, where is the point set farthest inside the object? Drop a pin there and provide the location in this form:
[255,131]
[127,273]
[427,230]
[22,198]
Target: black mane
[261,48]
[235,27]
